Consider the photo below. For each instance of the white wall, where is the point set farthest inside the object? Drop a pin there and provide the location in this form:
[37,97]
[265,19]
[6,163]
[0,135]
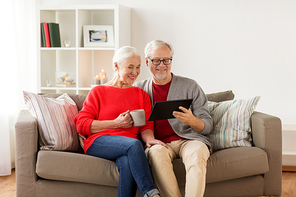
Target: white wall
[247,46]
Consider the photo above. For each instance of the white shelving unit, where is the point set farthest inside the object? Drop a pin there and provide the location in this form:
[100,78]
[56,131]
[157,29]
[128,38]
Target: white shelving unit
[81,63]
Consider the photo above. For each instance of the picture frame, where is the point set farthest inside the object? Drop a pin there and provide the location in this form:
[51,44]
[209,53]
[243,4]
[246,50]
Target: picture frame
[98,36]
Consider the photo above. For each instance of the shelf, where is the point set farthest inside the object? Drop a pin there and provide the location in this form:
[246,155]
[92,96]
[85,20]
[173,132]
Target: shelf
[81,63]
[57,48]
[58,88]
[85,88]
[96,48]
[80,48]
[65,88]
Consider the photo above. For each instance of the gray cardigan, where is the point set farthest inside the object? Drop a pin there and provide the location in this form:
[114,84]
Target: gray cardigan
[185,88]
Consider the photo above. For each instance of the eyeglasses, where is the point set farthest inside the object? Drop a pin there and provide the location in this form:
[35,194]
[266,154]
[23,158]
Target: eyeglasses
[158,61]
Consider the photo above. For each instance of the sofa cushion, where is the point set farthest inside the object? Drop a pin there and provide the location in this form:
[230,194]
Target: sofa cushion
[76,167]
[236,163]
[232,122]
[222,165]
[79,99]
[55,118]
[220,96]
[229,164]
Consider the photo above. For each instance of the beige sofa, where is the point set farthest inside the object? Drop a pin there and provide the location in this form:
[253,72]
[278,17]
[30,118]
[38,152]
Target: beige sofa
[242,171]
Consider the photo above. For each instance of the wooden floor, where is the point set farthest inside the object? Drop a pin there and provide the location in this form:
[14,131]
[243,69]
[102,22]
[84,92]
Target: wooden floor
[8,189]
[289,184]
[7,185]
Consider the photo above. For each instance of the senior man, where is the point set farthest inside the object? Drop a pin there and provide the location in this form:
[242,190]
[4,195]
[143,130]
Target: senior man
[187,135]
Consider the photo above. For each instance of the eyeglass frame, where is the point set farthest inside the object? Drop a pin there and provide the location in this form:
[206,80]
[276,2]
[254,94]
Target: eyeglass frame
[171,59]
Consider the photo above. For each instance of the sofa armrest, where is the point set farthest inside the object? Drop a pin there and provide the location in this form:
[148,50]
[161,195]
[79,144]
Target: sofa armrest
[26,134]
[267,134]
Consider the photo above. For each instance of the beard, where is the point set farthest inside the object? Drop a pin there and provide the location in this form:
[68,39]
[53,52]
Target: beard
[161,77]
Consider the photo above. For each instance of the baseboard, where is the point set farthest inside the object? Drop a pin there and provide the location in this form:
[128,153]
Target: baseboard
[289,158]
[289,168]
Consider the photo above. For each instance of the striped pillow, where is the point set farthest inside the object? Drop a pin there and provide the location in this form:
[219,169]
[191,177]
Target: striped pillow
[55,118]
[231,119]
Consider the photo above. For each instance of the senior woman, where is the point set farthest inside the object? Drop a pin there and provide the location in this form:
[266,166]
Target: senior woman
[107,125]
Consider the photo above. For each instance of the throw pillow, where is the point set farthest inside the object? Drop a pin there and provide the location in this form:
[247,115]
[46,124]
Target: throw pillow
[232,122]
[55,117]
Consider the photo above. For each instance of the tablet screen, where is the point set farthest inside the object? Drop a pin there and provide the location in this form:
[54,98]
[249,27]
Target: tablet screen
[164,109]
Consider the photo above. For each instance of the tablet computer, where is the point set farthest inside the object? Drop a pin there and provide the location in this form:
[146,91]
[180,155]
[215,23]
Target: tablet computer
[164,109]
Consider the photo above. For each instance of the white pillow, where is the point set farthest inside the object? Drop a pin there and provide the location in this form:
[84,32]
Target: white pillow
[232,125]
[55,118]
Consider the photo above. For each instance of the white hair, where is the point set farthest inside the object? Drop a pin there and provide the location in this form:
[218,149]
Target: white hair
[123,53]
[155,44]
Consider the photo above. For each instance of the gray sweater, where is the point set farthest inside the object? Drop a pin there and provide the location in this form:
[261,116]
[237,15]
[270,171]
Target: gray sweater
[185,88]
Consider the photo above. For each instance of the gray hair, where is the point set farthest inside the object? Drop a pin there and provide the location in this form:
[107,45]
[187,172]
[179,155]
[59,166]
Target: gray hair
[155,44]
[123,53]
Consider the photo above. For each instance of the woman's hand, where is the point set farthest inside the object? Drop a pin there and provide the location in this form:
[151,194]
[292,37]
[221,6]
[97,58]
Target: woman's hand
[124,120]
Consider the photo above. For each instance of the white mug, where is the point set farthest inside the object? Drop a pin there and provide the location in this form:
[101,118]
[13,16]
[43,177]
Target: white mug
[138,117]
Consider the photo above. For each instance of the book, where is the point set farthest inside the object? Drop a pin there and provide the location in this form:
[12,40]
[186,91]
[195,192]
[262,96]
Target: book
[54,34]
[46,33]
[43,42]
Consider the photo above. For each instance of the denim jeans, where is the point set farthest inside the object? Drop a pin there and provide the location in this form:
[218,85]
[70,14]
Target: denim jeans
[133,167]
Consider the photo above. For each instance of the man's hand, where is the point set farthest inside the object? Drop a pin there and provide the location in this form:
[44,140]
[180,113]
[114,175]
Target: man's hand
[148,137]
[155,142]
[187,117]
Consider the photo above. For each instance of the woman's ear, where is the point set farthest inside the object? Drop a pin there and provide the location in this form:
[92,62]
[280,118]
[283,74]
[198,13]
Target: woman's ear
[116,66]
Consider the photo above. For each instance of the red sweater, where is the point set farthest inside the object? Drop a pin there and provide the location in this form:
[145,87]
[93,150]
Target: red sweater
[162,128]
[106,103]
